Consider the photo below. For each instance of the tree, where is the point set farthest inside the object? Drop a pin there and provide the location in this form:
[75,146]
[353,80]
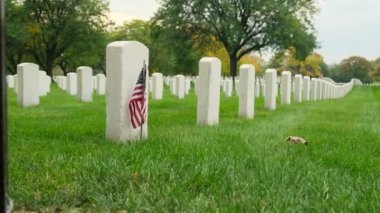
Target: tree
[313,65]
[175,50]
[90,53]
[355,67]
[375,74]
[15,33]
[57,25]
[243,26]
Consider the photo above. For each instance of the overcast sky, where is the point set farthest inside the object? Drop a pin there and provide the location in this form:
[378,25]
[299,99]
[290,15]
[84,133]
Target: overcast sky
[345,27]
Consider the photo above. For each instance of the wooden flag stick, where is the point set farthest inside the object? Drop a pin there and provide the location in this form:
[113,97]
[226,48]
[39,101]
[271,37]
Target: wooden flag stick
[3,115]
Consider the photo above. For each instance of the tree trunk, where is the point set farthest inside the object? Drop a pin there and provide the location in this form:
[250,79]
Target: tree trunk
[49,62]
[233,66]
[49,67]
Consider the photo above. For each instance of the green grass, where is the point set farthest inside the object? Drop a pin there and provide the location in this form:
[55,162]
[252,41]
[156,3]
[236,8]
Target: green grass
[59,157]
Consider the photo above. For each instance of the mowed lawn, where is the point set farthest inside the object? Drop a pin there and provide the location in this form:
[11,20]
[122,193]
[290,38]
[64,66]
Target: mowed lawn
[59,157]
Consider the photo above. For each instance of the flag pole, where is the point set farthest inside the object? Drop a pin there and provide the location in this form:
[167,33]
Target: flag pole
[3,115]
[144,75]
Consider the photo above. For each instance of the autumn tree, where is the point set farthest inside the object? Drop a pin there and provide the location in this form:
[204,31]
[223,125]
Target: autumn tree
[244,26]
[313,65]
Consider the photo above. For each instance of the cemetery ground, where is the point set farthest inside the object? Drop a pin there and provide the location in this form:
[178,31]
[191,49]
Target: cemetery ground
[59,157]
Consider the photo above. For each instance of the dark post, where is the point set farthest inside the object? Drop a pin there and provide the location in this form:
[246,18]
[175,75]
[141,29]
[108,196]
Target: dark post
[3,114]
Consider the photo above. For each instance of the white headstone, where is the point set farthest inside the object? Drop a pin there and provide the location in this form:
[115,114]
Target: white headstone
[228,85]
[318,89]
[167,80]
[237,87]
[270,89]
[42,83]
[158,86]
[263,88]
[306,88]
[209,84]
[64,82]
[187,86]
[101,84]
[47,83]
[196,86]
[150,86]
[95,82]
[172,85]
[28,85]
[313,89]
[124,62]
[298,88]
[257,88]
[180,86]
[324,90]
[246,91]
[15,83]
[72,84]
[286,87]
[10,81]
[85,81]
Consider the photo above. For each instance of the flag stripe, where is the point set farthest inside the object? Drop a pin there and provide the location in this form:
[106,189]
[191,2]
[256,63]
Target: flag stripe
[137,102]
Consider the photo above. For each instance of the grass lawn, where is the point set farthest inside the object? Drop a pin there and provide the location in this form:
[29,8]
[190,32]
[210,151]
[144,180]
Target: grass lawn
[58,157]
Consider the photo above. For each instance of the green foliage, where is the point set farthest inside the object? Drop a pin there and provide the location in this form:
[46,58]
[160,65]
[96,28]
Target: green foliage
[57,32]
[166,55]
[244,26]
[176,51]
[313,65]
[16,36]
[59,157]
[354,67]
[375,74]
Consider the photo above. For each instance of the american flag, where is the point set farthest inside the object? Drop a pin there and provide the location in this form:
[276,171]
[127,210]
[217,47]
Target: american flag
[137,103]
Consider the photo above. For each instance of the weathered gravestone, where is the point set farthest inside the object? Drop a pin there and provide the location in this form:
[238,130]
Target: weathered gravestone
[28,85]
[270,89]
[127,98]
[286,87]
[85,84]
[209,84]
[246,91]
[158,86]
